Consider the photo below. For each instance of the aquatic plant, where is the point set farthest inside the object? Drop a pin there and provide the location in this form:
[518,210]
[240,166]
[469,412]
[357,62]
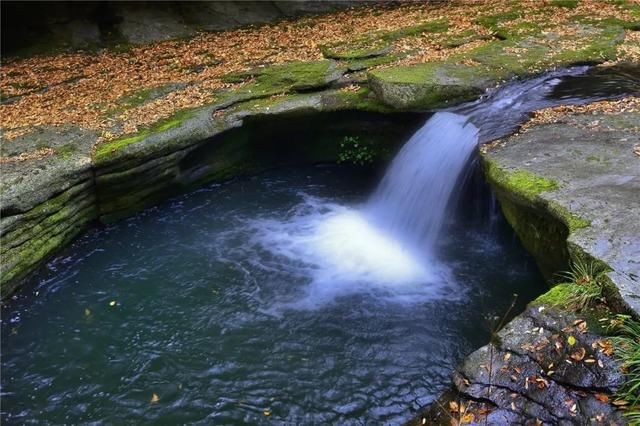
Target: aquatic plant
[355,152]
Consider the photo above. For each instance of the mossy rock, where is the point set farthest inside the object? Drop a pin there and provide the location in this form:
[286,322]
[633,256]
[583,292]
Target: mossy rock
[527,54]
[431,85]
[360,49]
[292,76]
[558,295]
[108,152]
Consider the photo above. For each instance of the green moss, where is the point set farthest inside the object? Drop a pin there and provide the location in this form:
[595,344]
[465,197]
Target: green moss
[361,100]
[430,85]
[363,64]
[436,26]
[107,149]
[558,295]
[569,4]
[572,221]
[66,151]
[461,38]
[492,21]
[521,182]
[276,79]
[53,233]
[512,57]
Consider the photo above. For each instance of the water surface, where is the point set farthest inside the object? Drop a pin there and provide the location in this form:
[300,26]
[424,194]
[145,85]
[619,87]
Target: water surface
[268,299]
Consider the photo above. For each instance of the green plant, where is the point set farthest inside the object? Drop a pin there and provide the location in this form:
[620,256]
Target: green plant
[355,152]
[585,284]
[627,350]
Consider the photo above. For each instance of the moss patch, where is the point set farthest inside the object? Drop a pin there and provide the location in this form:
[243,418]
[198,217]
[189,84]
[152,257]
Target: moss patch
[521,182]
[558,295]
[296,76]
[107,149]
[492,21]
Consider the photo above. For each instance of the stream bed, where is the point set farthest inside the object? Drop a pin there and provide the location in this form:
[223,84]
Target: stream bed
[253,301]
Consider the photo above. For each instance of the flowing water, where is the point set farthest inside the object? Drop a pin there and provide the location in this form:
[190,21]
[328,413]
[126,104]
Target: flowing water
[289,297]
[267,294]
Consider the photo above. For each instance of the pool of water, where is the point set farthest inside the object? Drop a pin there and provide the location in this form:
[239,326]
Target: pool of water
[268,299]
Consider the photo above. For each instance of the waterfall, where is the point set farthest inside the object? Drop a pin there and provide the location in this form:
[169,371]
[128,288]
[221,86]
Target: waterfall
[391,245]
[412,199]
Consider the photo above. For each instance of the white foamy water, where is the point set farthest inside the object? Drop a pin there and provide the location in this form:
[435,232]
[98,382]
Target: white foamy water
[344,253]
[389,244]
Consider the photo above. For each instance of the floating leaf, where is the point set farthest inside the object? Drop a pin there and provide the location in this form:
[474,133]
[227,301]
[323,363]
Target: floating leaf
[87,312]
[571,340]
[154,398]
[112,303]
[267,412]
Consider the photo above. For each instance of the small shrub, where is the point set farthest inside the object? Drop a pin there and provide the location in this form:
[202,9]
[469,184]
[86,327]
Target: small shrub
[355,152]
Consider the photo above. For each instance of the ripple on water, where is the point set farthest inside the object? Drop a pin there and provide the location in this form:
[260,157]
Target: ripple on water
[268,294]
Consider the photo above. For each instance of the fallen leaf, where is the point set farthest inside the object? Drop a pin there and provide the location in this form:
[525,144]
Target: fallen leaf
[602,397]
[571,340]
[579,354]
[467,418]
[620,402]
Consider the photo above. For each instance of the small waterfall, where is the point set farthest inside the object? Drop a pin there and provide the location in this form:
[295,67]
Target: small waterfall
[393,246]
[425,179]
[411,201]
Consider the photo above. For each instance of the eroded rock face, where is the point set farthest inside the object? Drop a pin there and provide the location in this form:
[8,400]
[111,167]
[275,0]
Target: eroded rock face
[545,367]
[591,158]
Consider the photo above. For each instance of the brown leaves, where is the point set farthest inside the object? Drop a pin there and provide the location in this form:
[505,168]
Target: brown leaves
[555,114]
[87,89]
[579,354]
[602,397]
[32,155]
[605,346]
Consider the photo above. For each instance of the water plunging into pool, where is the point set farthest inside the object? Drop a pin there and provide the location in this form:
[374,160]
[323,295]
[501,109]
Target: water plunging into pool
[290,297]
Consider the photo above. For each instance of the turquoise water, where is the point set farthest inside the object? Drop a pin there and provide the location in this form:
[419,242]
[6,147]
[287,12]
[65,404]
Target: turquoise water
[265,300]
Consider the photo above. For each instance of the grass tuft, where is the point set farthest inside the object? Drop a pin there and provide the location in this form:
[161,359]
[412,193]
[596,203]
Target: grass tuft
[627,350]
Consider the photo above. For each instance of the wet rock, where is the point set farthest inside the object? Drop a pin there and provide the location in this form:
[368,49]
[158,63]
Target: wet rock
[544,367]
[591,158]
[428,86]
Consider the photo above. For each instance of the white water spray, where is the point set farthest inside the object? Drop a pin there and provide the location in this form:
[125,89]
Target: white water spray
[389,243]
